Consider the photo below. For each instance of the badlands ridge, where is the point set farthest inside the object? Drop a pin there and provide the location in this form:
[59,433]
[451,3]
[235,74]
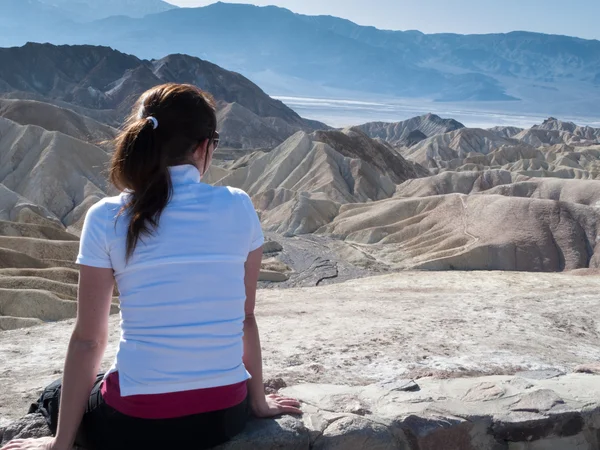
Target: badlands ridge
[466,199]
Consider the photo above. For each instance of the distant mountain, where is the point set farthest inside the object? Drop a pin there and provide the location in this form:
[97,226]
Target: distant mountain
[18,12]
[251,40]
[583,133]
[24,21]
[30,20]
[520,54]
[505,132]
[93,9]
[401,133]
[277,47]
[552,149]
[105,80]
[456,146]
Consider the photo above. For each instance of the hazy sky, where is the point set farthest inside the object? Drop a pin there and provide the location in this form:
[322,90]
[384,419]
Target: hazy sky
[574,18]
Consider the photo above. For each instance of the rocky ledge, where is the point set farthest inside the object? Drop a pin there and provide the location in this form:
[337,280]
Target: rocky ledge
[415,360]
[527,411]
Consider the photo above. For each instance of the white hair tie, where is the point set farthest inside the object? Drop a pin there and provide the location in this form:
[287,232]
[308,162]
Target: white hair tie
[154,121]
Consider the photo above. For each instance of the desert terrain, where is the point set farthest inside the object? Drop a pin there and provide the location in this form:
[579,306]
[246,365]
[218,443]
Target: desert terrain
[419,252]
[429,346]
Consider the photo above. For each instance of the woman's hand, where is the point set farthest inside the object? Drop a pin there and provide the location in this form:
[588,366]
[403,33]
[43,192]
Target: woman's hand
[274,405]
[45,443]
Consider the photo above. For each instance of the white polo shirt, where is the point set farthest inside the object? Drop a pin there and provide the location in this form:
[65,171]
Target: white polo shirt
[182,293]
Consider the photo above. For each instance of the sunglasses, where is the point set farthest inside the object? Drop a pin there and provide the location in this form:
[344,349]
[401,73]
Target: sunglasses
[216,139]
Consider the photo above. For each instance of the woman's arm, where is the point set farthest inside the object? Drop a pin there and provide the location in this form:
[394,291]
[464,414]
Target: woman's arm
[262,406]
[85,351]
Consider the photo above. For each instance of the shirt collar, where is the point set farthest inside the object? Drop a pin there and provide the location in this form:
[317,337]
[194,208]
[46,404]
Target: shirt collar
[184,174]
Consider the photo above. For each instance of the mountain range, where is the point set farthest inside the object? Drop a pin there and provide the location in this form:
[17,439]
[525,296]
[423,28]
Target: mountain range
[292,53]
[103,84]
[81,10]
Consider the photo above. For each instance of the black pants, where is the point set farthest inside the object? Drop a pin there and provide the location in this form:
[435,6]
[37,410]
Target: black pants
[104,428]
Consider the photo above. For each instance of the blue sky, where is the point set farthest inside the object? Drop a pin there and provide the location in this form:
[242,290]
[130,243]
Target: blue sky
[574,18]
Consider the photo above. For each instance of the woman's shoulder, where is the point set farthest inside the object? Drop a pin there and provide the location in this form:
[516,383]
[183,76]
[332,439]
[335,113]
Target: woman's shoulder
[237,191]
[108,206]
[116,201]
[232,192]
[238,198]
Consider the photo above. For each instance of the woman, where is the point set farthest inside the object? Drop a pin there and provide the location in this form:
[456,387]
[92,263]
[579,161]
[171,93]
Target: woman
[186,258]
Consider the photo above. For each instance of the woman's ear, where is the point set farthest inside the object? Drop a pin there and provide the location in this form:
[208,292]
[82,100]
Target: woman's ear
[199,154]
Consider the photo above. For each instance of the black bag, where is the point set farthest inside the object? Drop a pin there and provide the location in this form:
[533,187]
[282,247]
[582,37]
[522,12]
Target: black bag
[49,402]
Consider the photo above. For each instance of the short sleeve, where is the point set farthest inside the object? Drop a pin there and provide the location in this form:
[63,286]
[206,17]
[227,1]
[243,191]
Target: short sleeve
[257,238]
[93,248]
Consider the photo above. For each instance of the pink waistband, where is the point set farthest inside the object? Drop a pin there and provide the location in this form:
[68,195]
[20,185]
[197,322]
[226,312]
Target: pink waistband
[173,404]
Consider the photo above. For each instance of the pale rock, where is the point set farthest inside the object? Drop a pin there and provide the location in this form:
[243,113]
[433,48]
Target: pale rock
[270,275]
[272,247]
[356,433]
[539,401]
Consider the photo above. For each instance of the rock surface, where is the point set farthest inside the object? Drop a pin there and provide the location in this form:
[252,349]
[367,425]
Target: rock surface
[457,220]
[54,118]
[486,413]
[300,185]
[55,175]
[377,330]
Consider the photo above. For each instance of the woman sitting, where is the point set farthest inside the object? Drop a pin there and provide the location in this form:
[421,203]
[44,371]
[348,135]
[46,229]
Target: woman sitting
[186,258]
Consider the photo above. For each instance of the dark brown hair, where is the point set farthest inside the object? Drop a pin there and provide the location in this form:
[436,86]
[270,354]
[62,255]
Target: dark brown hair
[185,117]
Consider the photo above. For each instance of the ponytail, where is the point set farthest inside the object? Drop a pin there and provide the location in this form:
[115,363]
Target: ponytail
[148,180]
[148,145]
